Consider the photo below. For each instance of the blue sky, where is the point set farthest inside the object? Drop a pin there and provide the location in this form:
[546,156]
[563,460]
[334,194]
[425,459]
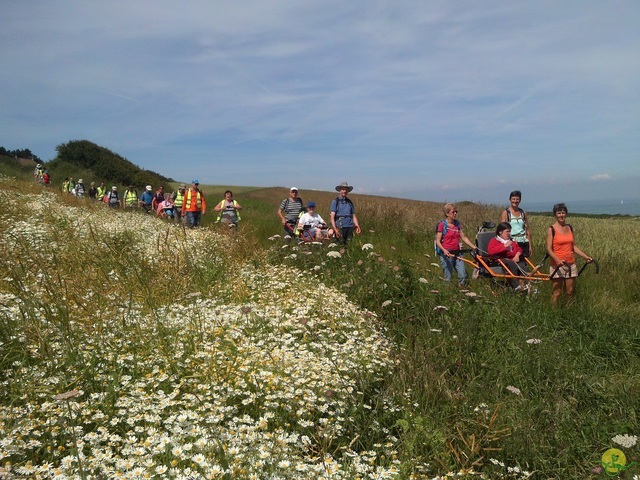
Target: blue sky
[431,100]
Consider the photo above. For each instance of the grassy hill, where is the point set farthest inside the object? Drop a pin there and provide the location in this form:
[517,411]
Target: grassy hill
[10,167]
[82,159]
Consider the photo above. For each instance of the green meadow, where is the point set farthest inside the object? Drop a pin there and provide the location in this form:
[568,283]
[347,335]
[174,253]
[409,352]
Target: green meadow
[133,348]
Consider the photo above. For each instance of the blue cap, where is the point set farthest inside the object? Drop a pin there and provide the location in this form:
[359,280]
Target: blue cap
[196,182]
[311,204]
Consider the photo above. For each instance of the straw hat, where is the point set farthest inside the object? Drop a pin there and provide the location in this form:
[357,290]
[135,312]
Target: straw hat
[344,185]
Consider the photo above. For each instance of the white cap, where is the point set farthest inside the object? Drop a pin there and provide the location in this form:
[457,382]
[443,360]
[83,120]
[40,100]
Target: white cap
[293,188]
[149,187]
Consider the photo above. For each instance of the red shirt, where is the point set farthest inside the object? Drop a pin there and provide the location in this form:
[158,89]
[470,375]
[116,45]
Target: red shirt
[497,248]
[451,240]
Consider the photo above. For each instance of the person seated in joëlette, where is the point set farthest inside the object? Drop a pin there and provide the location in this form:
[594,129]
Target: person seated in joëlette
[510,253]
[312,226]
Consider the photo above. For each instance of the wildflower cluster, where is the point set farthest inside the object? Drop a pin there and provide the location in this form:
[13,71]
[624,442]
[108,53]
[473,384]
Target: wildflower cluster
[263,376]
[626,440]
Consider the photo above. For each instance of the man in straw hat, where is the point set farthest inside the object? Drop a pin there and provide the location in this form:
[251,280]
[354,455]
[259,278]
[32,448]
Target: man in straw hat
[343,214]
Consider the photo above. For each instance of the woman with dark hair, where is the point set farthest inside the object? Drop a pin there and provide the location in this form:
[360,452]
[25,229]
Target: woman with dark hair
[517,218]
[228,210]
[561,248]
[510,253]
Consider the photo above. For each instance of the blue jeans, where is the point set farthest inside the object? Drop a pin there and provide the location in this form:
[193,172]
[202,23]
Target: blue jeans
[449,264]
[177,216]
[193,218]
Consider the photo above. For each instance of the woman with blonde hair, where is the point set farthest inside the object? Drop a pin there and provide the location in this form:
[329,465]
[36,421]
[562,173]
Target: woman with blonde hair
[449,238]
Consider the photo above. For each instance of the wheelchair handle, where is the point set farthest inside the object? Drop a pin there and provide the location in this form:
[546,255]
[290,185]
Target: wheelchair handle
[595,263]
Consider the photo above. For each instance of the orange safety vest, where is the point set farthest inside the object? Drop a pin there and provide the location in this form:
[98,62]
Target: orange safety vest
[188,204]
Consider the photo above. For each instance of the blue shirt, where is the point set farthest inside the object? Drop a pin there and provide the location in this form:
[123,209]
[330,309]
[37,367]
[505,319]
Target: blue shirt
[146,198]
[344,210]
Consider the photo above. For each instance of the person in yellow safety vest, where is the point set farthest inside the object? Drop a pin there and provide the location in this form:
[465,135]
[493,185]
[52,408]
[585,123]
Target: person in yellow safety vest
[131,198]
[228,210]
[102,191]
[194,205]
[178,200]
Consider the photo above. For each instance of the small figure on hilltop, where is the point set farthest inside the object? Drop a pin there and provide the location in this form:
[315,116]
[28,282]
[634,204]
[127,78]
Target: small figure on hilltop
[65,185]
[561,248]
[449,236]
[38,173]
[112,198]
[228,210]
[130,198]
[312,226]
[289,212]
[178,200]
[194,205]
[71,186]
[517,218]
[343,215]
[146,199]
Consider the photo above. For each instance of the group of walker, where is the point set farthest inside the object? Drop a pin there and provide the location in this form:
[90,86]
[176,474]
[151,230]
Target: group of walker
[511,247]
[511,244]
[41,175]
[184,206]
[306,224]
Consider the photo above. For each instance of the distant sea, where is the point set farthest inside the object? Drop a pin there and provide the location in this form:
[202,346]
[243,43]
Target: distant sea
[624,206]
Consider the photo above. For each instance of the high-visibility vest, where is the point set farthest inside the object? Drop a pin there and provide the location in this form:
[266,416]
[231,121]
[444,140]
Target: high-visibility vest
[198,200]
[130,197]
[179,199]
[221,212]
[102,191]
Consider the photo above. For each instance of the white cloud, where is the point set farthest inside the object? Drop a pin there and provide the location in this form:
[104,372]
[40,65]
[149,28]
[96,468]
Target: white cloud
[602,177]
[393,95]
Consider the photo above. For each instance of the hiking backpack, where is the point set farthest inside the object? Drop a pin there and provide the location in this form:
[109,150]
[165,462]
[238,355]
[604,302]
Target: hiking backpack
[445,228]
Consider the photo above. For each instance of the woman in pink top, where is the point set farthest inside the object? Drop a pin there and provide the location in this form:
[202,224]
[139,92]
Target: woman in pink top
[449,237]
[561,248]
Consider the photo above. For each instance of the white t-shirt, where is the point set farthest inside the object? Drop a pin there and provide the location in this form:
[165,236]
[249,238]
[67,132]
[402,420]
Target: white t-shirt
[312,220]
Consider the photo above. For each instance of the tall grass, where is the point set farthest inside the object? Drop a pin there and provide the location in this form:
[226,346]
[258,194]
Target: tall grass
[574,369]
[211,355]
